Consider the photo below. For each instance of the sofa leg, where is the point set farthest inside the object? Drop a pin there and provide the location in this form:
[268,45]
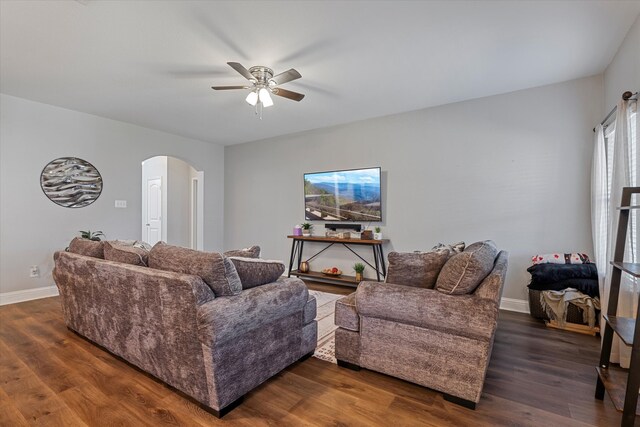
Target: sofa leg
[224,411]
[459,401]
[348,365]
[306,356]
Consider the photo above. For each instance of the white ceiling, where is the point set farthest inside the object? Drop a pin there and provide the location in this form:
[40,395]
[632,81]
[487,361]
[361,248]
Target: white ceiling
[152,63]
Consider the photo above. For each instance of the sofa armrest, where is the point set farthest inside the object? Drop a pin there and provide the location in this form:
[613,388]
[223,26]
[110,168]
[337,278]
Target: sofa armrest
[230,317]
[463,315]
[492,286]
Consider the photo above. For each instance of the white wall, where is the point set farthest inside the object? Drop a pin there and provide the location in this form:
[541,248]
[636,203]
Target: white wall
[514,168]
[623,73]
[32,227]
[179,202]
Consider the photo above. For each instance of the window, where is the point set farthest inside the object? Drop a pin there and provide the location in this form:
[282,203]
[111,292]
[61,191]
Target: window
[634,220]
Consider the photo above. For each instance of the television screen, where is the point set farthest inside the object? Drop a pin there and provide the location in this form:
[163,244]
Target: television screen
[347,195]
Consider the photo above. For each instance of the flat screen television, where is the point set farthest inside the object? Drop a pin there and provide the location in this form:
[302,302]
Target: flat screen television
[343,195]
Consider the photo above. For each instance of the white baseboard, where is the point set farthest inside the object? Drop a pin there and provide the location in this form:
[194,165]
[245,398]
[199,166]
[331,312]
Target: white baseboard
[28,295]
[512,304]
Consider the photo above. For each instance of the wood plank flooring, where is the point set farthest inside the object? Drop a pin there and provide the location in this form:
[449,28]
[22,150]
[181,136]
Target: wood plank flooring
[51,377]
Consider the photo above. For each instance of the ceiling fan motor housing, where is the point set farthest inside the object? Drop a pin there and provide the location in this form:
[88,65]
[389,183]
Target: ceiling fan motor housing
[261,74]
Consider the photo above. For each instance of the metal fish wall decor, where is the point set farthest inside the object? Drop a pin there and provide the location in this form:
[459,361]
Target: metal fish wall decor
[71,182]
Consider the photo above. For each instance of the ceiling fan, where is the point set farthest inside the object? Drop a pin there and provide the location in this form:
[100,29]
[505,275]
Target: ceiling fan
[263,84]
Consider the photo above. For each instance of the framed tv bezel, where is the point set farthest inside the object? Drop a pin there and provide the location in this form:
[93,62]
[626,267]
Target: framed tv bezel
[304,197]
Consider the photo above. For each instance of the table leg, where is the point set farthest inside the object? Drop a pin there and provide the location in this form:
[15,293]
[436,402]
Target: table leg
[384,267]
[375,258]
[293,250]
[300,253]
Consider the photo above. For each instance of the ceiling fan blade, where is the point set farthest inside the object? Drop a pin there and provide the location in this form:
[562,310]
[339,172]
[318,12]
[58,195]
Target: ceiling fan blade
[295,96]
[286,76]
[229,87]
[239,68]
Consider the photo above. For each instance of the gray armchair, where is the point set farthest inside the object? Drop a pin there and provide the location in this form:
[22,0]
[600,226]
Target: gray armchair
[422,335]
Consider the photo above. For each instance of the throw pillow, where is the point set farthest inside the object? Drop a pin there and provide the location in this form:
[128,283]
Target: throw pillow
[418,269]
[87,247]
[135,243]
[465,271]
[251,252]
[220,275]
[256,272]
[454,248]
[114,251]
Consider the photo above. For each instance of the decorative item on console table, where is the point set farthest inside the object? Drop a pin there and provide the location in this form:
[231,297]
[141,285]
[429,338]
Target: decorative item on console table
[378,233]
[366,235]
[333,271]
[358,267]
[304,267]
[306,229]
[297,230]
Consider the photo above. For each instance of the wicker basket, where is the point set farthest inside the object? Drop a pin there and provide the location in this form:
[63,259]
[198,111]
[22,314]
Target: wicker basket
[574,314]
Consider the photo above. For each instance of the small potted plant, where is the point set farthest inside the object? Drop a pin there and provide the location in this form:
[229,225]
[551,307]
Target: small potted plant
[359,269]
[378,233]
[306,229]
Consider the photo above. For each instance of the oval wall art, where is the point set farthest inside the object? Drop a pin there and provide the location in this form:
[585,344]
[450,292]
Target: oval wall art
[71,182]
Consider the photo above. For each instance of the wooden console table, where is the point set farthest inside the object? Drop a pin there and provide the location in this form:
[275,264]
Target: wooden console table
[297,246]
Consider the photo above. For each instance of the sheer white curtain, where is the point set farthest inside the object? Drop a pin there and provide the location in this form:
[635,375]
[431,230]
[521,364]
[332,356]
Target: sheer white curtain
[616,165]
[600,207]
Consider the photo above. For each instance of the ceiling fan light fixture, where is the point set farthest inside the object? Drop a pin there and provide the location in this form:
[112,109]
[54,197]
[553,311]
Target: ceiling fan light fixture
[265,98]
[252,98]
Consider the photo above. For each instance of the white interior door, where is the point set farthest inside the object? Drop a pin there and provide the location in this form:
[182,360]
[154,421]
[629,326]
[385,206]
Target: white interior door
[153,226]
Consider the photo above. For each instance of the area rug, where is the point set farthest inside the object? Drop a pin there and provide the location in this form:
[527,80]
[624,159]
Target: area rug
[326,308]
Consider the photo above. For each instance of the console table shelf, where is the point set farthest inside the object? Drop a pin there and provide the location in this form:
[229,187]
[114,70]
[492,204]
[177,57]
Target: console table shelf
[316,275]
[296,259]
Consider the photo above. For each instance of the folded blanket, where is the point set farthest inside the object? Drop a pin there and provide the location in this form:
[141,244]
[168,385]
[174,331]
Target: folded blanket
[555,304]
[586,286]
[573,258]
[550,273]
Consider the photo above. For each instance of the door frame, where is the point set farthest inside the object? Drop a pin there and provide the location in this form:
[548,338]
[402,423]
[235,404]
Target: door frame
[197,217]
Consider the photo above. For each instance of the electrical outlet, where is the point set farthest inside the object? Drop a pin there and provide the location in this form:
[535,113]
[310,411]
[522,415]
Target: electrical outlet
[121,203]
[34,271]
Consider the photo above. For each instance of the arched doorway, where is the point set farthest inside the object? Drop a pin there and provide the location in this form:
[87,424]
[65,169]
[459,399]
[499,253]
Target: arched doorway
[172,202]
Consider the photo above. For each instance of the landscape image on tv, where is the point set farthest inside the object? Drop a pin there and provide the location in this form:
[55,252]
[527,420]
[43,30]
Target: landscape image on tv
[349,195]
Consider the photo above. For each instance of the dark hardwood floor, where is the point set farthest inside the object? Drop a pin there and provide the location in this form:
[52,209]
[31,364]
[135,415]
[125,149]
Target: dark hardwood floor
[51,377]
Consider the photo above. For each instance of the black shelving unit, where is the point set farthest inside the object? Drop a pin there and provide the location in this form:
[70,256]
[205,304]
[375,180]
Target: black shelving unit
[622,385]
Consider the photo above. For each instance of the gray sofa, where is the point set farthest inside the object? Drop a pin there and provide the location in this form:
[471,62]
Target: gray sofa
[213,349]
[422,335]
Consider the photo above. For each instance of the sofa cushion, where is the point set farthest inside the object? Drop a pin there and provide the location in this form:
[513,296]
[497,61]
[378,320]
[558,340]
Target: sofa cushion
[256,272]
[463,272]
[229,318]
[216,271]
[87,247]
[113,251]
[463,315]
[251,252]
[346,315]
[419,269]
